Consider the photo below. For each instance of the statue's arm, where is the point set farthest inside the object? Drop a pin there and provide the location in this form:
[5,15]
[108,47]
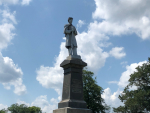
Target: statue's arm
[75,32]
[66,31]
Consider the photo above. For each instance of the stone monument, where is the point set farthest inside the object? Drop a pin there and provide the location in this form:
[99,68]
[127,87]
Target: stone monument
[72,94]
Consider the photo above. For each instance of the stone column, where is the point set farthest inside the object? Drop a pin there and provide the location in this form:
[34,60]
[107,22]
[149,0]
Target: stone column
[72,94]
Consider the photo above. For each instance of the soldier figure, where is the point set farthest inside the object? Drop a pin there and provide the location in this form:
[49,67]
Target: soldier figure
[70,33]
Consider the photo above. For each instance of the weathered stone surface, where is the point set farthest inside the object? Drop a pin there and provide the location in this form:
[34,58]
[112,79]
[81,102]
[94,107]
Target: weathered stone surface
[72,95]
[71,110]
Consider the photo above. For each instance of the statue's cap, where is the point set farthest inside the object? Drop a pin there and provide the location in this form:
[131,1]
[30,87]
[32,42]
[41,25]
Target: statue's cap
[70,18]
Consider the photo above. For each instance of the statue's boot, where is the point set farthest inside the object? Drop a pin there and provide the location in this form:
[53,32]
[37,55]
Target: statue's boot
[70,51]
[75,51]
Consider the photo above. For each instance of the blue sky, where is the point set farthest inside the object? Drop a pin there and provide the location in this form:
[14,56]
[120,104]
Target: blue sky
[113,38]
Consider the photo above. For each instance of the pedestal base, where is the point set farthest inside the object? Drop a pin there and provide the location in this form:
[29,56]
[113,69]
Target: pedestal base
[72,110]
[72,104]
[72,57]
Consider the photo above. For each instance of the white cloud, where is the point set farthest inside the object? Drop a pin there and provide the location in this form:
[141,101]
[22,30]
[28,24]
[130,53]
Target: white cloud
[25,2]
[126,74]
[23,102]
[10,73]
[7,27]
[117,52]
[8,2]
[80,23]
[124,64]
[52,77]
[14,2]
[3,106]
[122,17]
[43,103]
[7,16]
[113,82]
[112,99]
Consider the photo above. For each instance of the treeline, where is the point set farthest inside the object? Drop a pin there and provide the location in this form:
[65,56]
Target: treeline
[138,100]
[16,108]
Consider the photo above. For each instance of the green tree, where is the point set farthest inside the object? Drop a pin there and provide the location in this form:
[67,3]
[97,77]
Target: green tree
[16,108]
[137,100]
[35,109]
[92,93]
[3,111]
[120,109]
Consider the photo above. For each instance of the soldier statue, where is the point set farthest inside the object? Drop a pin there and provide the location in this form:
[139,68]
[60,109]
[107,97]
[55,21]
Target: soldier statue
[70,33]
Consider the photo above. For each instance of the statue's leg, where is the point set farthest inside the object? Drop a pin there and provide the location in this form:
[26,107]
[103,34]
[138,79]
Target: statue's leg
[69,50]
[74,50]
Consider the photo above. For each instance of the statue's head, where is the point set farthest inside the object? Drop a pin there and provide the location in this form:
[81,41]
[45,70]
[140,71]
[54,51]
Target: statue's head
[70,19]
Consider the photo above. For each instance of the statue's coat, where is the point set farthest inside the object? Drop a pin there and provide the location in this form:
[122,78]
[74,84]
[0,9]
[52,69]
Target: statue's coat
[70,38]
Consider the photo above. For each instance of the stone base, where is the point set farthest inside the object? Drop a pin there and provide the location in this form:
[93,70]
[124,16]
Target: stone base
[72,110]
[72,104]
[72,57]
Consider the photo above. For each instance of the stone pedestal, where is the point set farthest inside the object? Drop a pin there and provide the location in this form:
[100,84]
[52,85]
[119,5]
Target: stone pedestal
[72,94]
[72,110]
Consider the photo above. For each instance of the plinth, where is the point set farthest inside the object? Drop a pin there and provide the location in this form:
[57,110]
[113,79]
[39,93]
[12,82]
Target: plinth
[72,94]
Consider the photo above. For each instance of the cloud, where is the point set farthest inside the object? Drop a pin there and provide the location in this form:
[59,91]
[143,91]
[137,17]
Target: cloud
[117,52]
[25,2]
[43,103]
[113,82]
[126,74]
[3,106]
[8,2]
[14,2]
[10,73]
[23,102]
[52,77]
[124,17]
[124,63]
[6,27]
[80,23]
[112,98]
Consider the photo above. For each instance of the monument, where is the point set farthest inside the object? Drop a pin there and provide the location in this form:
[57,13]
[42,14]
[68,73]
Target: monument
[72,94]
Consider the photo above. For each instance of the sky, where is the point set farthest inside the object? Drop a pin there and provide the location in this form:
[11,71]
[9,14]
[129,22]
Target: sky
[113,39]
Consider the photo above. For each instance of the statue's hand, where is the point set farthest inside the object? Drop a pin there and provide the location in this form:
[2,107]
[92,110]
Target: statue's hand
[72,29]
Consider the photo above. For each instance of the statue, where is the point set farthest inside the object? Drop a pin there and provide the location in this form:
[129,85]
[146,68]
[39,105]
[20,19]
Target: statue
[72,92]
[70,33]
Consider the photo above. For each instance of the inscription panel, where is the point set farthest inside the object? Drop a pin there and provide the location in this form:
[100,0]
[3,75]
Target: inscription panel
[66,87]
[76,86]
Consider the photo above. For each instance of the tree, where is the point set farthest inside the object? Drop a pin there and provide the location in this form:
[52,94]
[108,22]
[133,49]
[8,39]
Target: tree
[137,100]
[35,109]
[16,108]
[92,93]
[120,109]
[3,111]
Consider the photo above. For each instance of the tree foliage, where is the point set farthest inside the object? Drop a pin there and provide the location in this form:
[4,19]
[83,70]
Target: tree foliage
[35,109]
[92,93]
[137,100]
[3,111]
[16,108]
